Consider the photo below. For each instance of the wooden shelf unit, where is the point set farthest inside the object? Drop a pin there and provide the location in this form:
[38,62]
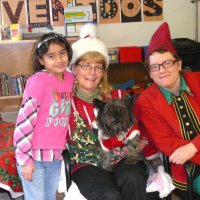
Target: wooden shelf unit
[15,59]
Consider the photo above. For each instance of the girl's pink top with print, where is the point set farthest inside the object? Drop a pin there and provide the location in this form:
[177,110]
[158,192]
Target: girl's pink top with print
[54,98]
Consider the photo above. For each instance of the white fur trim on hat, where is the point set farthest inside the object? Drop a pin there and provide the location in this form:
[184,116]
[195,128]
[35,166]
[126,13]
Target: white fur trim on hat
[133,134]
[88,43]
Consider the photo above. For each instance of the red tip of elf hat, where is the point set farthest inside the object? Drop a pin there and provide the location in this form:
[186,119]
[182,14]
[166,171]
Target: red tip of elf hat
[161,39]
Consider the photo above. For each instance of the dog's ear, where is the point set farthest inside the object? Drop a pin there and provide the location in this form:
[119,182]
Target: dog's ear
[98,104]
[130,93]
[129,101]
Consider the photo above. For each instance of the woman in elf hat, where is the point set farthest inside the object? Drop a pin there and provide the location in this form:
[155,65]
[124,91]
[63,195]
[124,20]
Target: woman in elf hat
[169,110]
[126,181]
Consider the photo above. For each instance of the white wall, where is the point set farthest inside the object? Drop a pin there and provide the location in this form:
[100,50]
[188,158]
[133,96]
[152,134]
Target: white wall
[180,15]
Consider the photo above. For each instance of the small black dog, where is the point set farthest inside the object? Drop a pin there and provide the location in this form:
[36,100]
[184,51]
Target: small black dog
[117,130]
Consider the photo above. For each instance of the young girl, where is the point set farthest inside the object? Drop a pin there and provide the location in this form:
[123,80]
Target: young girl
[41,126]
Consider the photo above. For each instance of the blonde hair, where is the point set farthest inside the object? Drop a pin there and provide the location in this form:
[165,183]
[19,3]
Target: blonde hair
[95,56]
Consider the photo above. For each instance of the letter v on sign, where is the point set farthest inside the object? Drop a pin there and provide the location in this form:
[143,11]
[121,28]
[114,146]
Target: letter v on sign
[13,17]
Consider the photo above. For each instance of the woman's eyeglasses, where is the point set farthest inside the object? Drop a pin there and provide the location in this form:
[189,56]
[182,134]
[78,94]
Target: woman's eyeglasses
[166,64]
[88,67]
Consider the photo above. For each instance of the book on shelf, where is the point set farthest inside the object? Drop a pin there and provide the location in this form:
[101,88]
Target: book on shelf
[15,32]
[10,32]
[5,32]
[12,85]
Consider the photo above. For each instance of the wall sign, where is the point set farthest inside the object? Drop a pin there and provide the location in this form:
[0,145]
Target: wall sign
[13,12]
[153,10]
[93,3]
[42,13]
[131,11]
[109,11]
[38,13]
[58,11]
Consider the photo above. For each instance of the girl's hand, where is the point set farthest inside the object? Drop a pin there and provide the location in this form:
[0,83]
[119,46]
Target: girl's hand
[183,154]
[27,172]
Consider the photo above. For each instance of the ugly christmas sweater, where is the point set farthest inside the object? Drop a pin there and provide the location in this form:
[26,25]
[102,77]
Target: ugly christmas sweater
[83,137]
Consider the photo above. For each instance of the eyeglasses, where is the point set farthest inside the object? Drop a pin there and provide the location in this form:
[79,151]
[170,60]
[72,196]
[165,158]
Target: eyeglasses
[166,64]
[88,67]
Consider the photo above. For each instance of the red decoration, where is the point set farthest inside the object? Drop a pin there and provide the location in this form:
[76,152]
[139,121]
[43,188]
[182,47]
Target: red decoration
[30,28]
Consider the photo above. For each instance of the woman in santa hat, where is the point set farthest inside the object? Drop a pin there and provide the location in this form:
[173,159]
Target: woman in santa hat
[126,181]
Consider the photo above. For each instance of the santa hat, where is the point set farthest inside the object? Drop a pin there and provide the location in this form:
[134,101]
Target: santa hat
[161,39]
[88,42]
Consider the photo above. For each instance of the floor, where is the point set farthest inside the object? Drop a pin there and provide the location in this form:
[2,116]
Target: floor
[5,196]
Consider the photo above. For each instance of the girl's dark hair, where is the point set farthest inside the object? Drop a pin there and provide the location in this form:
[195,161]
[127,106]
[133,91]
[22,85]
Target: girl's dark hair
[42,46]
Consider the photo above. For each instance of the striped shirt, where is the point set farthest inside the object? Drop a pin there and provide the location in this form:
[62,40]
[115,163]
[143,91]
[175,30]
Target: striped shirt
[23,136]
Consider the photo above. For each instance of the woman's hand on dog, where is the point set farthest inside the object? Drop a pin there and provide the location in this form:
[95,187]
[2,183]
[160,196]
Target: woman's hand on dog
[119,151]
[123,150]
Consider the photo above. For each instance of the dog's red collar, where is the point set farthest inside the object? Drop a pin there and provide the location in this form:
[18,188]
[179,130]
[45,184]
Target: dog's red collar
[117,141]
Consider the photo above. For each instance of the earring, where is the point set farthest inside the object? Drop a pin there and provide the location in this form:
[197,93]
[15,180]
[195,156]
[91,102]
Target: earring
[75,84]
[100,85]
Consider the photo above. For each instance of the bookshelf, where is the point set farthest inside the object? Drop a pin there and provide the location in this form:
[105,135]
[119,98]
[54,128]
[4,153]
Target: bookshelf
[15,59]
